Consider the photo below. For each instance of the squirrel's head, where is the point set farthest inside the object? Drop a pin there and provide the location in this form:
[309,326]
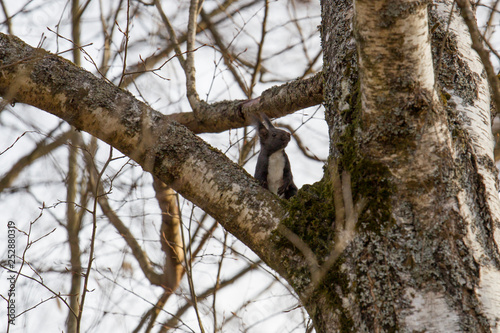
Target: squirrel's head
[272,139]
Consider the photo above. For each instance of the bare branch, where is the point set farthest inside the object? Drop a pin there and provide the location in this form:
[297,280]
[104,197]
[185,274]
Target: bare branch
[217,281]
[73,227]
[275,102]
[258,61]
[190,69]
[141,257]
[171,32]
[92,241]
[175,42]
[125,47]
[477,45]
[42,148]
[170,236]
[228,61]
[189,273]
[7,21]
[173,321]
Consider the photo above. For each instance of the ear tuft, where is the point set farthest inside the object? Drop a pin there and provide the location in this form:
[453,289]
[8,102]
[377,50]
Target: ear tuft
[263,131]
[266,120]
[255,120]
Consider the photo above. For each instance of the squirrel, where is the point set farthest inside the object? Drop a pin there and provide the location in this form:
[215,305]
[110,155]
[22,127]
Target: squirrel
[273,167]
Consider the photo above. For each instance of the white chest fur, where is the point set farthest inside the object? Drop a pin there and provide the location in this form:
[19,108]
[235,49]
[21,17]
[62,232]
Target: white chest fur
[275,171]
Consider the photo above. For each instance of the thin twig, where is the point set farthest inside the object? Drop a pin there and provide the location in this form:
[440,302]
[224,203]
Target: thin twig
[171,33]
[108,36]
[189,274]
[57,295]
[89,58]
[17,139]
[258,61]
[491,16]
[228,59]
[92,240]
[126,44]
[7,21]
[139,296]
[208,292]
[217,281]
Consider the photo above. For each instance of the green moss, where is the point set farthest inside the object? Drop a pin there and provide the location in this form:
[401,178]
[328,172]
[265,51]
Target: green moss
[311,216]
[334,279]
[311,213]
[445,97]
[369,179]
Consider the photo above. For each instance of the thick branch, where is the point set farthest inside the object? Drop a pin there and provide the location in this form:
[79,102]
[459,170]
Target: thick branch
[276,102]
[171,152]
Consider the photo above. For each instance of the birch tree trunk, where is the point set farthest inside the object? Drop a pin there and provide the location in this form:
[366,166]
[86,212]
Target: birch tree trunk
[411,166]
[418,144]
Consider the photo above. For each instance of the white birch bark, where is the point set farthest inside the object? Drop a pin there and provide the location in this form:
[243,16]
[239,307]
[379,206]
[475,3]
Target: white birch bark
[477,122]
[395,67]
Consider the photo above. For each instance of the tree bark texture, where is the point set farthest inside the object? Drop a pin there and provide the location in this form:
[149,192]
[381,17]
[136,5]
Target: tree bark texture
[421,152]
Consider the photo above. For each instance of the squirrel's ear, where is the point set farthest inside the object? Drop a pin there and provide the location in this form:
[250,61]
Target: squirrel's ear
[263,131]
[261,128]
[266,119]
[255,120]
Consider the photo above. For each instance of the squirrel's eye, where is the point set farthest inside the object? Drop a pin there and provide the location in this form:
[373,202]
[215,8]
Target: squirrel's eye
[274,135]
